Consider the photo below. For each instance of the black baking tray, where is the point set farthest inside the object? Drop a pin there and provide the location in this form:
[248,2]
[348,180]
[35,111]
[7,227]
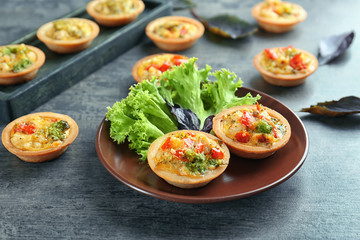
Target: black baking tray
[61,71]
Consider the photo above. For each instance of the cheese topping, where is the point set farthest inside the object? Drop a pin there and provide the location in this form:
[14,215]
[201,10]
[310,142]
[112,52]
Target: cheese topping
[287,60]
[157,65]
[39,133]
[16,58]
[115,7]
[189,154]
[175,29]
[282,11]
[69,29]
[253,127]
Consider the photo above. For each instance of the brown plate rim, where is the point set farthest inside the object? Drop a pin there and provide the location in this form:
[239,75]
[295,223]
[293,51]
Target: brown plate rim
[153,192]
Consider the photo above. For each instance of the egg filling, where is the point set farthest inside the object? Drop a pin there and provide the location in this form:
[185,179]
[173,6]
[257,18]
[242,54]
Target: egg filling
[39,133]
[276,9]
[189,154]
[286,60]
[16,58]
[157,65]
[175,29]
[115,7]
[69,29]
[253,127]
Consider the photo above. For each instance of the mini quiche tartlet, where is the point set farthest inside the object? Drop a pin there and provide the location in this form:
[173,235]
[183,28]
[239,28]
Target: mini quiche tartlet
[115,12]
[154,65]
[188,159]
[252,131]
[19,63]
[68,35]
[277,16]
[285,66]
[39,137]
[174,33]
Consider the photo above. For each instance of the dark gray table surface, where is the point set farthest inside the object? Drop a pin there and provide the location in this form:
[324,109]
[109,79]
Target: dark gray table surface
[74,196]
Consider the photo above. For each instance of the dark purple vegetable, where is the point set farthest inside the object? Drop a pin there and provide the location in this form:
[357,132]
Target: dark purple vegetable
[187,119]
[334,46]
[227,25]
[344,106]
[208,124]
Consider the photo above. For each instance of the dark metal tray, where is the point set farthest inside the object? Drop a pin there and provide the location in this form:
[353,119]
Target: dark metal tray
[62,71]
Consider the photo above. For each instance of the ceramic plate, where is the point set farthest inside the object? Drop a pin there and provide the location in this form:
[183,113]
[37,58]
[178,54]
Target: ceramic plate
[242,178]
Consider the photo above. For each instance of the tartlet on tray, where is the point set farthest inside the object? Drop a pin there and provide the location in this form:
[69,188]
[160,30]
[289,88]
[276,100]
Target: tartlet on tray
[155,65]
[68,35]
[252,131]
[187,158]
[19,63]
[277,17]
[39,137]
[174,33]
[112,16]
[285,66]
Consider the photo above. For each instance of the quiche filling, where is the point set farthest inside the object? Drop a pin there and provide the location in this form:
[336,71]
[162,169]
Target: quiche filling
[115,7]
[39,133]
[253,127]
[286,60]
[189,154]
[278,10]
[69,29]
[175,29]
[16,58]
[157,65]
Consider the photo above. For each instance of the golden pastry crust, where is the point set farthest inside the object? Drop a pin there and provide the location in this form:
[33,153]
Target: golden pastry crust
[68,46]
[9,78]
[44,154]
[186,181]
[286,80]
[112,20]
[174,44]
[245,150]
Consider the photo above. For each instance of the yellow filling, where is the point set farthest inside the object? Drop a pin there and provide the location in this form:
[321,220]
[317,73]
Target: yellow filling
[175,29]
[69,29]
[33,135]
[276,9]
[157,65]
[16,58]
[115,7]
[287,60]
[189,154]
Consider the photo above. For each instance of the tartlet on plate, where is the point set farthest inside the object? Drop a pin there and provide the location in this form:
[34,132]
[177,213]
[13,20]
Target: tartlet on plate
[39,137]
[277,17]
[19,63]
[285,66]
[174,33]
[68,35]
[115,12]
[187,158]
[155,65]
[252,131]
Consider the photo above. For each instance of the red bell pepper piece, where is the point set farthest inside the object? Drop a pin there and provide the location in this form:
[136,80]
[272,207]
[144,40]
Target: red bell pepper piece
[217,153]
[248,119]
[297,63]
[270,53]
[242,137]
[164,67]
[166,144]
[26,128]
[199,147]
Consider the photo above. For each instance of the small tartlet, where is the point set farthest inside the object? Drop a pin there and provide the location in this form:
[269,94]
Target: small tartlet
[43,154]
[174,44]
[68,46]
[135,71]
[113,20]
[183,181]
[10,78]
[248,151]
[285,80]
[276,25]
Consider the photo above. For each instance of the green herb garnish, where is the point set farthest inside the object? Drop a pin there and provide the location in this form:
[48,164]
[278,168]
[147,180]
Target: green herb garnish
[56,130]
[22,65]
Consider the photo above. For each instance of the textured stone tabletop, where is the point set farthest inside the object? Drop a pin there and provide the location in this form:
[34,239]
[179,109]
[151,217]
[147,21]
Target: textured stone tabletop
[75,197]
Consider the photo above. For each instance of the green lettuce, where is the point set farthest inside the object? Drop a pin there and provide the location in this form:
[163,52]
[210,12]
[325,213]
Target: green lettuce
[144,115]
